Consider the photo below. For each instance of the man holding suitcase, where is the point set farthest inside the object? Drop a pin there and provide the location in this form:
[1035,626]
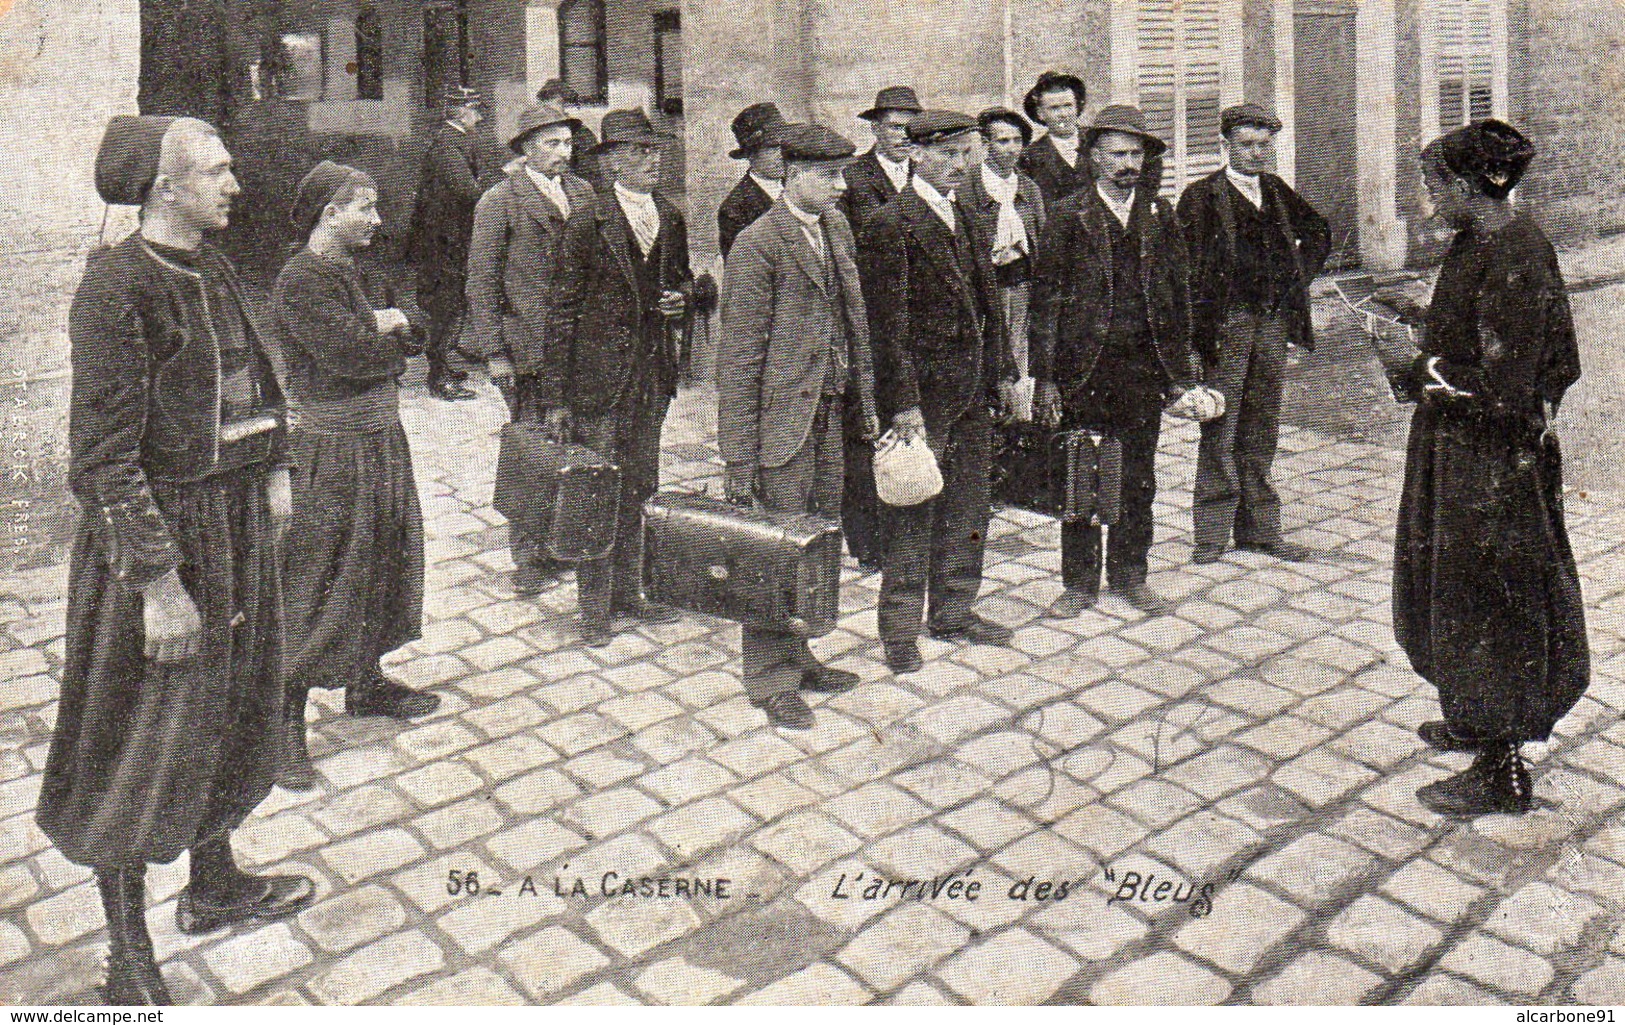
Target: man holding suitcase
[794,331]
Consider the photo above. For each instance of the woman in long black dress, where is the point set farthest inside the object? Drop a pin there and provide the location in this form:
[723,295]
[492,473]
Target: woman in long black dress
[354,570]
[1487,600]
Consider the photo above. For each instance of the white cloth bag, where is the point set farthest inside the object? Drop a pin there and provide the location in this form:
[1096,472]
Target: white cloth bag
[906,472]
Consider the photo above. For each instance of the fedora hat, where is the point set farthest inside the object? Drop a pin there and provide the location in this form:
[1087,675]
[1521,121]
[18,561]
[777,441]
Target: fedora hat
[893,97]
[629,126]
[1051,82]
[756,126]
[1120,117]
[534,119]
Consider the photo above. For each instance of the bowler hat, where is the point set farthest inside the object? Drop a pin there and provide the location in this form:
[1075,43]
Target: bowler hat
[755,127]
[893,97]
[1231,118]
[1120,117]
[1051,82]
[629,126]
[992,115]
[534,119]
[814,143]
[938,125]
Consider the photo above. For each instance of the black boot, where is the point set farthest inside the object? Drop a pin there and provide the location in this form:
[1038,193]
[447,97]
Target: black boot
[133,979]
[220,894]
[297,772]
[380,696]
[1497,783]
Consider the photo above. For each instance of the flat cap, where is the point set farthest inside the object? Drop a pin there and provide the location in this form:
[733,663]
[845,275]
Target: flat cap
[1247,114]
[939,125]
[814,142]
[127,162]
[534,119]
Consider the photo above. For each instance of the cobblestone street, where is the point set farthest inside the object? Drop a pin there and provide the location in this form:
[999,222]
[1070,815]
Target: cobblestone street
[1256,751]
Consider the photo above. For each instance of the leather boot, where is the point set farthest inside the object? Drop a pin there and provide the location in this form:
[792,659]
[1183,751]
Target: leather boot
[297,772]
[219,894]
[1497,783]
[133,979]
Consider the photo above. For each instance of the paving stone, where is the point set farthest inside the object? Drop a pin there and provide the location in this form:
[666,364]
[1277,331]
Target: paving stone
[537,792]
[804,841]
[1314,868]
[952,720]
[1178,982]
[876,809]
[578,733]
[373,970]
[920,853]
[1602,985]
[372,854]
[459,824]
[676,982]
[1383,934]
[610,812]
[1203,841]
[905,942]
[363,808]
[533,844]
[1495,964]
[1219,772]
[756,753]
[502,760]
[1245,922]
[358,916]
[988,823]
[1317,978]
[697,828]
[64,917]
[1381,834]
[1585,873]
[918,994]
[769,797]
[479,923]
[439,783]
[982,974]
[551,961]
[246,961]
[818,985]
[1543,918]
[469,987]
[1155,802]
[1115,701]
[1434,890]
[632,926]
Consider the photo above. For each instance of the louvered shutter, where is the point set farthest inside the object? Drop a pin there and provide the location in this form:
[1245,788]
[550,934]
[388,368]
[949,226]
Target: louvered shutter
[1179,78]
[1466,61]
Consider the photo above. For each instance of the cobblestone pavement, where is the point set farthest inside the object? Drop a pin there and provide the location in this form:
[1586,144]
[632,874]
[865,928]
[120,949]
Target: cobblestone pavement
[1256,751]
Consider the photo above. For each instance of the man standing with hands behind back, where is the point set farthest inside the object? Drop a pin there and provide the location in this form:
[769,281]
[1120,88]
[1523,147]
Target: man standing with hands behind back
[794,332]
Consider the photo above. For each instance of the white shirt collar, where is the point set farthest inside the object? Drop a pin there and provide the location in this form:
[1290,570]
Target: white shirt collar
[774,189]
[1251,186]
[548,185]
[998,186]
[896,170]
[1122,210]
[1066,147]
[942,206]
[640,199]
[457,126]
[810,220]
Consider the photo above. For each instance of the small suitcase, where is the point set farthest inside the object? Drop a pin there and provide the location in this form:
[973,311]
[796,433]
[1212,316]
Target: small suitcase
[1086,477]
[562,495]
[780,571]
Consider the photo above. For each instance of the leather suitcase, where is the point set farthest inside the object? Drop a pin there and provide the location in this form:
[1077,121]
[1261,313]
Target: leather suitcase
[561,494]
[1086,477]
[781,571]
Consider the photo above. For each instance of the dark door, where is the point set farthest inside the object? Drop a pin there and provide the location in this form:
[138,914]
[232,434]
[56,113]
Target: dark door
[1327,161]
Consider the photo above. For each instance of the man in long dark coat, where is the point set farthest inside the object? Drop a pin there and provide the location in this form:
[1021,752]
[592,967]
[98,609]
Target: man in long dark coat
[942,363]
[1255,247]
[169,728]
[442,223]
[756,130]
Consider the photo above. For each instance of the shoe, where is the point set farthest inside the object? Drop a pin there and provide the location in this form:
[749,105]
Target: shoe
[647,611]
[296,773]
[1206,554]
[1071,604]
[529,580]
[1441,737]
[450,390]
[787,711]
[133,979]
[275,897]
[1497,783]
[1286,551]
[595,634]
[904,658]
[1141,596]
[976,630]
[384,697]
[828,680]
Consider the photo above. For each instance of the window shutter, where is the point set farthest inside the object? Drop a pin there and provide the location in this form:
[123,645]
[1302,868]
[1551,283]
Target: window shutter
[1466,61]
[1179,66]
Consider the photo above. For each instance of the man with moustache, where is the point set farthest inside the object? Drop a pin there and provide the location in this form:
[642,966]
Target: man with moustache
[756,130]
[517,227]
[1255,247]
[1110,340]
[942,361]
[794,332]
[1055,161]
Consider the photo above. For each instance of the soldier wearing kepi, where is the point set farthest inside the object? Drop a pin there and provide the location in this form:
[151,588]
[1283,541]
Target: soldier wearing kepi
[794,330]
[1255,246]
[621,288]
[442,222]
[1110,341]
[169,728]
[517,228]
[942,359]
[756,129]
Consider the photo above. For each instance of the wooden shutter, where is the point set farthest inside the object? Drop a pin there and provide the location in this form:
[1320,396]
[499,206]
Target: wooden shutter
[1464,34]
[1179,68]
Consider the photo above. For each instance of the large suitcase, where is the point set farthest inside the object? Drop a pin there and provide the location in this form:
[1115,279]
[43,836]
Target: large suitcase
[780,571]
[1086,477]
[562,495]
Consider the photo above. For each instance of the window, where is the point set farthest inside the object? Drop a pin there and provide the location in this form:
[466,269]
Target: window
[445,49]
[1182,47]
[300,74]
[583,61]
[1466,61]
[669,62]
[369,54]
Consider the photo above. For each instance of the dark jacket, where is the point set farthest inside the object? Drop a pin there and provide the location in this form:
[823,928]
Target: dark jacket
[327,334]
[599,330]
[746,202]
[443,213]
[1055,177]
[867,190]
[1072,290]
[938,336]
[146,394]
[510,266]
[1029,205]
[1208,214]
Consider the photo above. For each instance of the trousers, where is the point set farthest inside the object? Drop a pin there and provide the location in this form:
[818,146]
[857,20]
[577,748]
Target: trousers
[1233,489]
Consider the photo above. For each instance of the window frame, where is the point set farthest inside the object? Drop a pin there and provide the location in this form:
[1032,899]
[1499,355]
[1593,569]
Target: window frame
[598,45]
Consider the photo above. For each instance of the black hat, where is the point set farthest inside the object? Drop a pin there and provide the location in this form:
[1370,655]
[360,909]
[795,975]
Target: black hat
[814,143]
[991,115]
[755,127]
[629,126]
[534,119]
[462,96]
[1120,117]
[127,162]
[1490,153]
[1051,82]
[939,125]
[318,188]
[893,97]
[1231,118]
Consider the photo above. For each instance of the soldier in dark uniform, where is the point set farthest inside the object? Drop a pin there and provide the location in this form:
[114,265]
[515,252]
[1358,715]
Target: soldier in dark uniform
[169,728]
[442,223]
[756,129]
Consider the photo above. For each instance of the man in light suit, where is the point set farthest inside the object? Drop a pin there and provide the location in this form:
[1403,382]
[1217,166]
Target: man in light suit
[517,227]
[794,335]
